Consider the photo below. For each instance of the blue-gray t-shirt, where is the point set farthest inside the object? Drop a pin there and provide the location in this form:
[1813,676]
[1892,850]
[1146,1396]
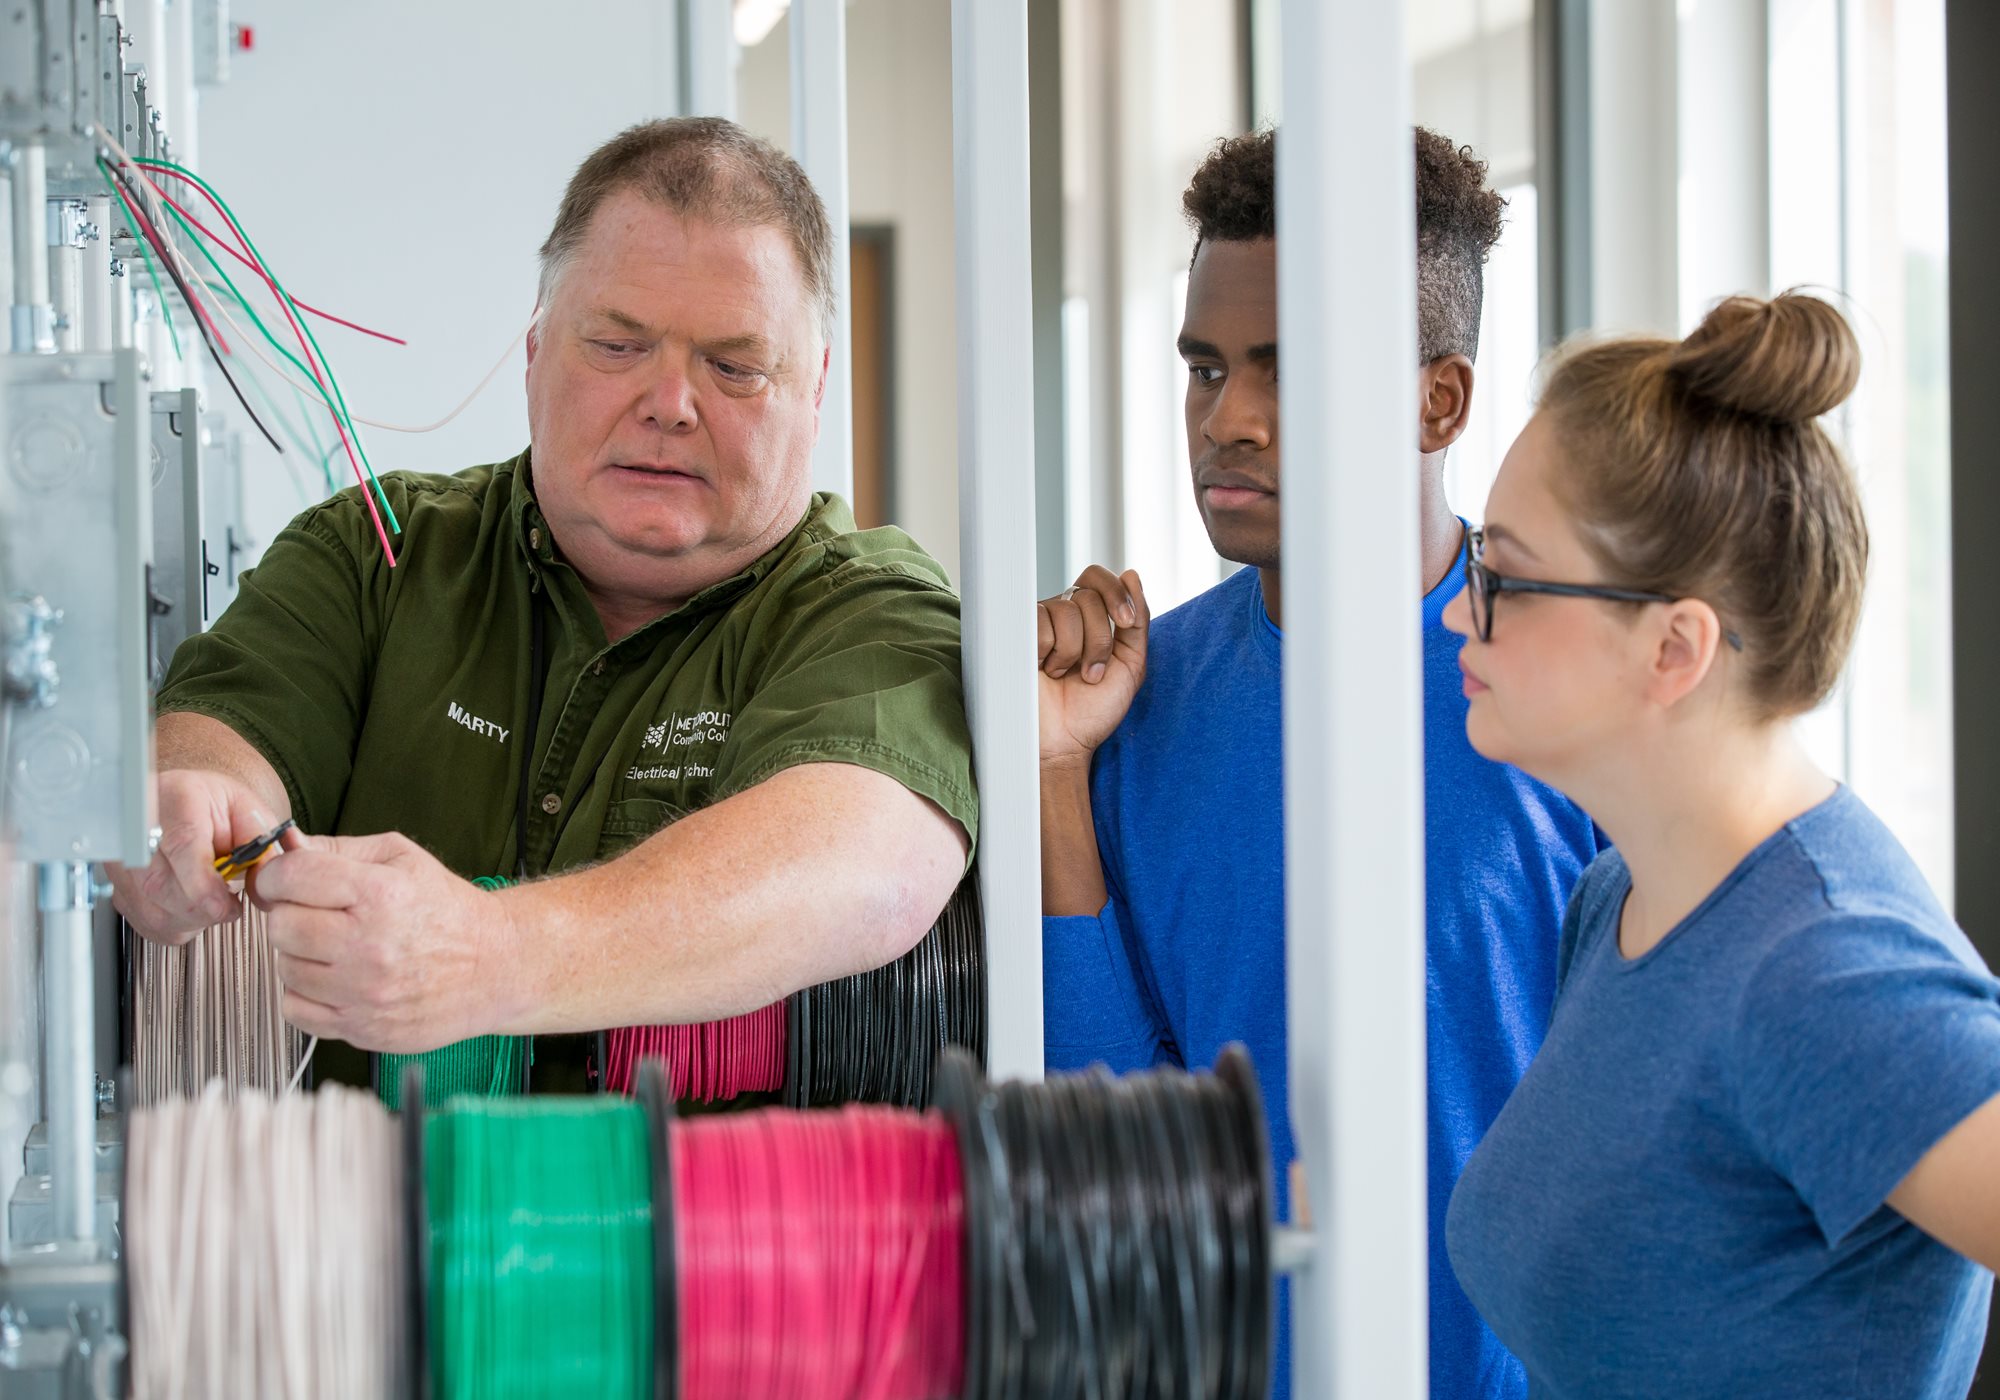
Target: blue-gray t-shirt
[1685,1196]
[1189,954]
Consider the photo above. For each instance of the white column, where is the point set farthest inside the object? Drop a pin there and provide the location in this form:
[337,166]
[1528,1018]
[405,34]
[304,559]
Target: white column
[996,493]
[819,144]
[708,59]
[33,322]
[1354,905]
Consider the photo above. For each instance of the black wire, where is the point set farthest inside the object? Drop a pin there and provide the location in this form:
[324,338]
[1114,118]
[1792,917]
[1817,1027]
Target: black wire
[139,230]
[1129,1218]
[876,1037]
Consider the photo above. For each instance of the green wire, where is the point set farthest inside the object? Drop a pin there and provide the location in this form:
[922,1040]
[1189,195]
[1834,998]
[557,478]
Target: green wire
[270,405]
[331,379]
[541,1248]
[486,1065]
[321,451]
[258,321]
[166,312]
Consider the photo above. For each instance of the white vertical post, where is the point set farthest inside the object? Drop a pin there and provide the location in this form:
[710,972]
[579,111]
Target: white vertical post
[33,318]
[1352,699]
[708,59]
[996,502]
[819,144]
[70,1050]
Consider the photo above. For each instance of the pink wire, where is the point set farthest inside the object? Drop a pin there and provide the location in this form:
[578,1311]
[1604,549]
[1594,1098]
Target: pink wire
[219,241]
[305,346]
[819,1255]
[711,1062]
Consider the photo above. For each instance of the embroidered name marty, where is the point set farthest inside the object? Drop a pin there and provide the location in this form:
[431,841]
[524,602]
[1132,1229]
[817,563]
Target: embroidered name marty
[459,715]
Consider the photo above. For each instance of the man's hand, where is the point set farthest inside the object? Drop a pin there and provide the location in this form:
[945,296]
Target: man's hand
[379,945]
[1092,641]
[202,815]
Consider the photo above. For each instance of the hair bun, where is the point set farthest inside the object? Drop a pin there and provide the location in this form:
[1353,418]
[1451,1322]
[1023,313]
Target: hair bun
[1789,359]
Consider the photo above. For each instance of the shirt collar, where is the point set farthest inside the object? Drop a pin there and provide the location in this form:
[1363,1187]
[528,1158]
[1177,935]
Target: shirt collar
[823,519]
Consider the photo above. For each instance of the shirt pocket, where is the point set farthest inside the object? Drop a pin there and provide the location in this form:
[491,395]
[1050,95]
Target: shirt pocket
[631,820]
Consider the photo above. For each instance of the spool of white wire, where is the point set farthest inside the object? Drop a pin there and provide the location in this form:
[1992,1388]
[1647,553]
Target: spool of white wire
[264,1247]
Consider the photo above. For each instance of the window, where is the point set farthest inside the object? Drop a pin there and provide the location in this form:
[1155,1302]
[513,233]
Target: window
[1858,207]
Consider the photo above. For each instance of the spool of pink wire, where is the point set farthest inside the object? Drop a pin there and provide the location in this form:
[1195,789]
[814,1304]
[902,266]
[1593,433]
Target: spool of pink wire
[820,1255]
[711,1062]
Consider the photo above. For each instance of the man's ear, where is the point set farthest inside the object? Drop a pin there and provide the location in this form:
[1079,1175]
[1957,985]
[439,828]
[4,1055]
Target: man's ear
[534,335]
[1444,402]
[825,368]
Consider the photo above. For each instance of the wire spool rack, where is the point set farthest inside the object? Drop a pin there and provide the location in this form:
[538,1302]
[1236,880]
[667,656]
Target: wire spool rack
[1082,1239]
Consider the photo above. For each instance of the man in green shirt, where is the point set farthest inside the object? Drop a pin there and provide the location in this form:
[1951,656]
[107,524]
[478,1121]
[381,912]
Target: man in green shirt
[642,658]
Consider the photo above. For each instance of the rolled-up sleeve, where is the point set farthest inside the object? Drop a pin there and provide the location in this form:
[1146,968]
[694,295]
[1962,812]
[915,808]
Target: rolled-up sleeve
[865,670]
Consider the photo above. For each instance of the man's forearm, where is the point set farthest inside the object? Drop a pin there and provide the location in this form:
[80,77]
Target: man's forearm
[820,872]
[1072,873]
[189,741]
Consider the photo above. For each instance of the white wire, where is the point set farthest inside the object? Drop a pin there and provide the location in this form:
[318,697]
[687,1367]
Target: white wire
[213,1010]
[304,1060]
[263,1244]
[148,187]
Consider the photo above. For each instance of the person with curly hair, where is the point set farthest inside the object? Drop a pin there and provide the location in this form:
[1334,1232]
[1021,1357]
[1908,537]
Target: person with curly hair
[1161,771]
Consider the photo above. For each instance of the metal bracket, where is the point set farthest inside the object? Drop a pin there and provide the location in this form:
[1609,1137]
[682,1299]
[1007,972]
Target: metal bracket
[69,224]
[179,537]
[30,676]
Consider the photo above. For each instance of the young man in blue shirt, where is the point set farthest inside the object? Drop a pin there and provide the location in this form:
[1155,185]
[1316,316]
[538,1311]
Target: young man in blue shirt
[1162,812]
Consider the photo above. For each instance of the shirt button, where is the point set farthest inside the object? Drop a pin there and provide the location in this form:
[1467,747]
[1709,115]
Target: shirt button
[535,538]
[597,667]
[552,803]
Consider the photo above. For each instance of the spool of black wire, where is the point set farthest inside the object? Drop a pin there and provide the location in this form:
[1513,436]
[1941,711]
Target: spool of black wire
[876,1037]
[1117,1234]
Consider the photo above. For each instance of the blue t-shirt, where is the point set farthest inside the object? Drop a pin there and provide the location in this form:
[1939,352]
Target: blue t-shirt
[1189,954]
[1685,1196]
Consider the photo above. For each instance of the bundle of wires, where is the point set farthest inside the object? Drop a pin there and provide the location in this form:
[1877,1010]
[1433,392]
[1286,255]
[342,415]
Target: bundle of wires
[259,1235]
[146,208]
[486,1065]
[159,224]
[870,1038]
[211,1011]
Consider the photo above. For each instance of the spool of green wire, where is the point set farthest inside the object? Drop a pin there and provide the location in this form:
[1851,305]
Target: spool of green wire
[541,1249]
[486,1065]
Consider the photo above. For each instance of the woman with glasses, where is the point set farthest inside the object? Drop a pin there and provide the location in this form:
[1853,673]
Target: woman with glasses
[1759,1152]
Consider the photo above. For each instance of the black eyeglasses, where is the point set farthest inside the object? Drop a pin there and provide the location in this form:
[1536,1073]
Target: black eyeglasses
[1482,586]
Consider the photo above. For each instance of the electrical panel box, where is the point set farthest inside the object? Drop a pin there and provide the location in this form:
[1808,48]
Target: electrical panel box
[77,544]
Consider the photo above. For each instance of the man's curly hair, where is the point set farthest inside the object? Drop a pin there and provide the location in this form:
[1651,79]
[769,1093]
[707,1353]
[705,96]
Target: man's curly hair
[1232,199]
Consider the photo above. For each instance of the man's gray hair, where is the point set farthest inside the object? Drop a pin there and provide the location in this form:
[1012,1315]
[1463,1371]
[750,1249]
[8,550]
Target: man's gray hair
[700,168]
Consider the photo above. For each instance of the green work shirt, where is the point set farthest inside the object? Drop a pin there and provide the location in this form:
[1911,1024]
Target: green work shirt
[398,699]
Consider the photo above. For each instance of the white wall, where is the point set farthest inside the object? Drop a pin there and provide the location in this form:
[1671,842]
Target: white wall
[399,164]
[899,173]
